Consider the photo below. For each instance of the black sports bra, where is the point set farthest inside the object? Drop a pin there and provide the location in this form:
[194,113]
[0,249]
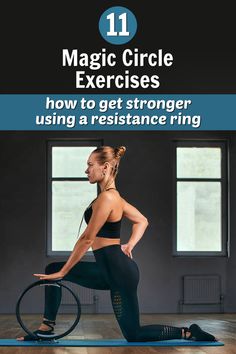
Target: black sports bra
[111,229]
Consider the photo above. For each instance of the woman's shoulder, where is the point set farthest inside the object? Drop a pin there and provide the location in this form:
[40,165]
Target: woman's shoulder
[109,196]
[105,195]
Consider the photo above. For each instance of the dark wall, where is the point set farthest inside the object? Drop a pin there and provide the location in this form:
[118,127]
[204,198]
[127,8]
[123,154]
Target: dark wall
[145,180]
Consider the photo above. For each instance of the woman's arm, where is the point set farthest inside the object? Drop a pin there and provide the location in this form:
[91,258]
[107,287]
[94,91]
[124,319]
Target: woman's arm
[139,221]
[101,211]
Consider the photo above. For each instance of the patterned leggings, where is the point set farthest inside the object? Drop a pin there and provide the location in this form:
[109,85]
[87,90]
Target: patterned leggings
[113,271]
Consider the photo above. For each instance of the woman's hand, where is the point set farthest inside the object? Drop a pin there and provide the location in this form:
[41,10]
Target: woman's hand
[127,249]
[53,276]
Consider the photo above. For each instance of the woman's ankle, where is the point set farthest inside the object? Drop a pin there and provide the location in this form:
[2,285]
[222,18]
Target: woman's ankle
[186,334]
[44,327]
[47,325]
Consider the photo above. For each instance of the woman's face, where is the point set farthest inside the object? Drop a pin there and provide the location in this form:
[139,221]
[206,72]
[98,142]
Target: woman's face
[94,170]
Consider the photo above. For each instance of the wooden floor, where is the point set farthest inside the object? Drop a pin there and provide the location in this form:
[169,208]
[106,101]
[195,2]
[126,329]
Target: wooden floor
[223,326]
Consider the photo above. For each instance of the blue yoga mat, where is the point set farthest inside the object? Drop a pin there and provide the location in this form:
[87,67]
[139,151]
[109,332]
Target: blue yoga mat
[105,343]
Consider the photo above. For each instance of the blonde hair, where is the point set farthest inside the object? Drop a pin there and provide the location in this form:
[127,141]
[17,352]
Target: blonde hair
[111,155]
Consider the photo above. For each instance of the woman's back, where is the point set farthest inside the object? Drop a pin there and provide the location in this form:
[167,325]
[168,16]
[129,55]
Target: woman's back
[109,234]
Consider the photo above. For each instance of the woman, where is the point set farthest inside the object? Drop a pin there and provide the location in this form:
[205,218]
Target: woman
[114,269]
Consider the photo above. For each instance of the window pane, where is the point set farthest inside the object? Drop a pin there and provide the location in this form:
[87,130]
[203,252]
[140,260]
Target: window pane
[198,162]
[198,216]
[70,161]
[69,200]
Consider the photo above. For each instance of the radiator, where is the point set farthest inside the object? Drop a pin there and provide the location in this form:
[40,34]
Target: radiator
[201,289]
[85,295]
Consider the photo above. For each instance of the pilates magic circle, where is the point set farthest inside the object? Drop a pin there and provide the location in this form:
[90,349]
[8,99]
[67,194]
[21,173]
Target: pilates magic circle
[37,335]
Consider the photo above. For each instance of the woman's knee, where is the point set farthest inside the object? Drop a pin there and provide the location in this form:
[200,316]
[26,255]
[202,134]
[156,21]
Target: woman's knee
[52,268]
[131,335]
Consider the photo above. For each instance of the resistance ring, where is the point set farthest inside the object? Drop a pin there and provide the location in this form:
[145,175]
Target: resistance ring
[57,283]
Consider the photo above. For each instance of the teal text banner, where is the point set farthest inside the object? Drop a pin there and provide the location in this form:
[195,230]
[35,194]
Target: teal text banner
[117,112]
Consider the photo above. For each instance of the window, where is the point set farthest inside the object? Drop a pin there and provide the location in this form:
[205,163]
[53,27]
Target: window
[200,198]
[69,193]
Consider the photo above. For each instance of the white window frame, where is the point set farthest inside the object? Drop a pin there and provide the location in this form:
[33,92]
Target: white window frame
[50,144]
[223,145]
